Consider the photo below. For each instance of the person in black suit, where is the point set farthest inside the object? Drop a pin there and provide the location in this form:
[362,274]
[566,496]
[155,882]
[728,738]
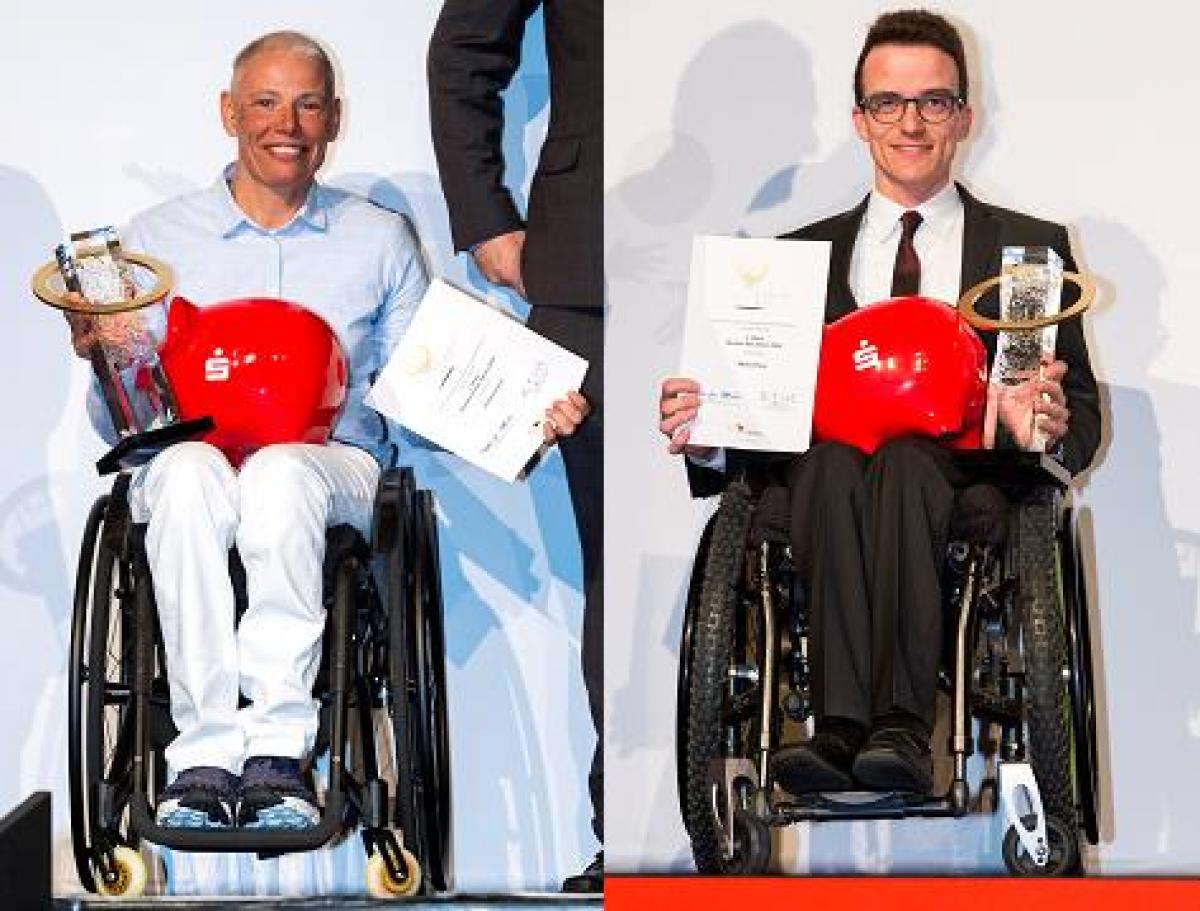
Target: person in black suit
[553,256]
[862,526]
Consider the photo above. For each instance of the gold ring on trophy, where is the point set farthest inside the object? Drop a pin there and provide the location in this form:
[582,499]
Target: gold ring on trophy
[966,306]
[163,281]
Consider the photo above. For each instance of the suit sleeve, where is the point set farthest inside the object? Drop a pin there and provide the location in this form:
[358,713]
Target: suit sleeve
[704,481]
[474,51]
[1079,385]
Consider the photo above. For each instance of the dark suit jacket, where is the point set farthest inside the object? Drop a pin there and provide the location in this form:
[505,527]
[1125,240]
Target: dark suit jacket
[987,230]
[475,49]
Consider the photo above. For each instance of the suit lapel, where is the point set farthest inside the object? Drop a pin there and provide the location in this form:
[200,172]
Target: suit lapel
[981,259]
[840,298]
[981,238]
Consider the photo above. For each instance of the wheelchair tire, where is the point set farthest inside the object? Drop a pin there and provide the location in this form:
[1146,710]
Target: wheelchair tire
[704,666]
[683,684]
[1082,682]
[418,687]
[81,806]
[100,713]
[435,756]
[1048,713]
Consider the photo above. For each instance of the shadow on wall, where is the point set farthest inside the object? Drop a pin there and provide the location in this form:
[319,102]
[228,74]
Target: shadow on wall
[733,161]
[35,574]
[1146,572]
[733,147]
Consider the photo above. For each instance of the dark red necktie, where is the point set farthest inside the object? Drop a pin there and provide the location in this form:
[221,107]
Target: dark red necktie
[906,276]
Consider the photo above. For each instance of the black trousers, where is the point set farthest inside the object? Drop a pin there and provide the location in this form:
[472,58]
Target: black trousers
[869,536]
[582,331]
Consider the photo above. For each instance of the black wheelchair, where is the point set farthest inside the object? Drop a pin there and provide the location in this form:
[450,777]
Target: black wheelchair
[381,686]
[1017,658]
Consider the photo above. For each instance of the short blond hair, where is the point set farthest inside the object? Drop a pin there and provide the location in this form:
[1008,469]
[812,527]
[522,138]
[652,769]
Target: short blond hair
[297,42]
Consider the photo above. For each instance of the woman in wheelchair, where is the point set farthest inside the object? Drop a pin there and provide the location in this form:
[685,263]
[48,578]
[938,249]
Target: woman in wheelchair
[242,693]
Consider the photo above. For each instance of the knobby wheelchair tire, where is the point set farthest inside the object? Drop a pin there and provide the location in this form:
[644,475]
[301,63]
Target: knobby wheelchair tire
[710,631]
[1045,655]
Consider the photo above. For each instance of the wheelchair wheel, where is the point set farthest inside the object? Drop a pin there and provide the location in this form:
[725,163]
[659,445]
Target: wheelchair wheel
[683,683]
[705,717]
[431,695]
[1081,685]
[381,883]
[100,711]
[418,686]
[1064,852]
[1045,655]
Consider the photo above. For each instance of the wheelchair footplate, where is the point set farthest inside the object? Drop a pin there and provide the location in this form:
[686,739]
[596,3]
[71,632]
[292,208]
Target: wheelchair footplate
[825,805]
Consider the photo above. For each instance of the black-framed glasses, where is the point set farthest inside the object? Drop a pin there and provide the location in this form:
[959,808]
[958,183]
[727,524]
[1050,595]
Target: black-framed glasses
[933,107]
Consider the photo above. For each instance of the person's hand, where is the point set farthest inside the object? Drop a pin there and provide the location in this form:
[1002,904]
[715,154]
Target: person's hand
[84,334]
[564,416]
[499,259]
[678,405]
[1039,401]
[119,334]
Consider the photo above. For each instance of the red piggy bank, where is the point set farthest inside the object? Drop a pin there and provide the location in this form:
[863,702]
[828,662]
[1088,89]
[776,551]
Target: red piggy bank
[266,371]
[909,366]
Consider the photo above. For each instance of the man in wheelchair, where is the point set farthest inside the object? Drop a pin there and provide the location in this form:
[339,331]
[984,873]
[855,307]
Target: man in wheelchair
[267,228]
[868,532]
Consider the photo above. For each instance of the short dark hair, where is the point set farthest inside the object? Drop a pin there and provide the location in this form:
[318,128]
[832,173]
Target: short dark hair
[914,27]
[289,41]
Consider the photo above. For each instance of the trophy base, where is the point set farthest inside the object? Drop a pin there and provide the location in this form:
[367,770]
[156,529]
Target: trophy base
[139,448]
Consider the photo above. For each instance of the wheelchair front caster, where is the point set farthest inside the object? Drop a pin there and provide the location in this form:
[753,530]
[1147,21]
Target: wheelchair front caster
[1064,852]
[751,845]
[381,883]
[129,875]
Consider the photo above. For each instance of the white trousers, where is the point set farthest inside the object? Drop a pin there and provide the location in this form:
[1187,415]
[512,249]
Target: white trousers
[275,509]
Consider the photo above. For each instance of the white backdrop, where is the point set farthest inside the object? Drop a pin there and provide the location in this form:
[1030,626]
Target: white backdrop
[736,118]
[110,108]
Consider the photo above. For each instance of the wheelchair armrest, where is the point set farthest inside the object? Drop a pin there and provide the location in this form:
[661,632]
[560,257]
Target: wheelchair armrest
[1013,471]
[137,449]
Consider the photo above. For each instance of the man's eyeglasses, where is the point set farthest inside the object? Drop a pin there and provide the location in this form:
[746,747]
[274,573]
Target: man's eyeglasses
[932,107]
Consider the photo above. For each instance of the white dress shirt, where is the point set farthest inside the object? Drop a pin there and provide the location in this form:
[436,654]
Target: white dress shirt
[938,241]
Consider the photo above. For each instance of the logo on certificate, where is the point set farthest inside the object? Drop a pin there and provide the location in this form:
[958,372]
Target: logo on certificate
[751,272]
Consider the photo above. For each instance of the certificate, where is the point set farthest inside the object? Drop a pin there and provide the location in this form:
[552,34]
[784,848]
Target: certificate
[752,339]
[475,381]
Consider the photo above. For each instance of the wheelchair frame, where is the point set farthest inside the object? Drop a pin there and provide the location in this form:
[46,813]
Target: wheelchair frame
[739,673]
[383,650]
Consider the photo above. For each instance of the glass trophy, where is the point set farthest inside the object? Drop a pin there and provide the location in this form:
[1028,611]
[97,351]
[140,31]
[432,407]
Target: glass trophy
[1031,281]
[98,284]
[1030,309]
